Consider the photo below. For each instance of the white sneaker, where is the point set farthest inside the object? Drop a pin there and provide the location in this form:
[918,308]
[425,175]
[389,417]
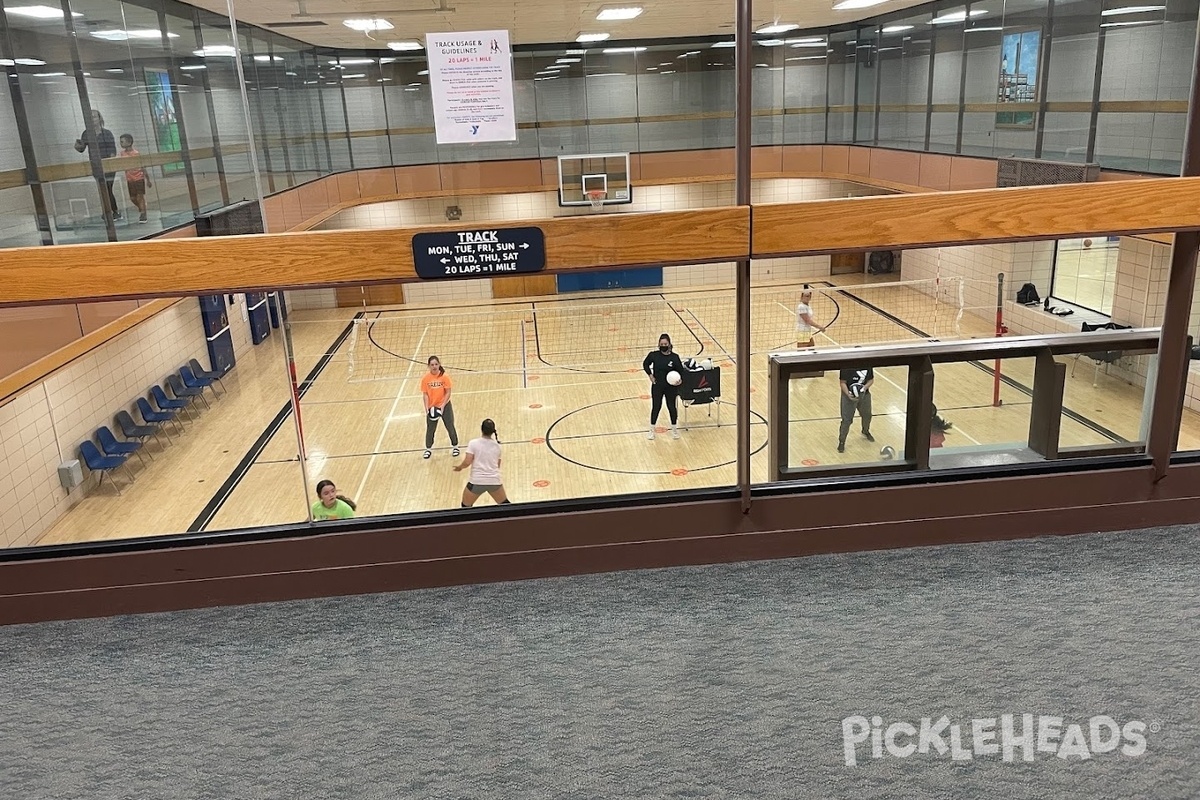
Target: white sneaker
[428,453]
[674,432]
[650,433]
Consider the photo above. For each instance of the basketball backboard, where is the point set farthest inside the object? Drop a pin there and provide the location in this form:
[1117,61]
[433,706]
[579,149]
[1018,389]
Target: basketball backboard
[605,172]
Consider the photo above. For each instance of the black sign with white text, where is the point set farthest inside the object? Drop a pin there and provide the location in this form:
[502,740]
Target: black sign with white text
[485,253]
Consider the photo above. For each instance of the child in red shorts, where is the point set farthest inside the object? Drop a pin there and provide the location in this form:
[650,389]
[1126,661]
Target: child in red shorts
[136,179]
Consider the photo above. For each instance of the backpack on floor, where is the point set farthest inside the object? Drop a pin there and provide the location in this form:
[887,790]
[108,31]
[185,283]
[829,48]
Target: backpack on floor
[1028,295]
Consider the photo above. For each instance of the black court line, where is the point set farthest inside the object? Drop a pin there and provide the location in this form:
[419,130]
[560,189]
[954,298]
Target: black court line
[550,445]
[209,512]
[1011,382]
[537,340]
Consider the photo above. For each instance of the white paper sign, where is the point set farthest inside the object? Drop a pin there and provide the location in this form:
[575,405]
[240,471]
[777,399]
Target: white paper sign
[470,75]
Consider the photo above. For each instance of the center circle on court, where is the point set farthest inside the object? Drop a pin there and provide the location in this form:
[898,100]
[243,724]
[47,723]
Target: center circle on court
[610,436]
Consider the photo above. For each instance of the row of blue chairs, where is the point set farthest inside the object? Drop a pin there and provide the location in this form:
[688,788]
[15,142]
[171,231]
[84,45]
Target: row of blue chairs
[186,387]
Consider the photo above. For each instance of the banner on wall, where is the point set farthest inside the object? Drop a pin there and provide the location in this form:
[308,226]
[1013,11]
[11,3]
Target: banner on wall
[470,76]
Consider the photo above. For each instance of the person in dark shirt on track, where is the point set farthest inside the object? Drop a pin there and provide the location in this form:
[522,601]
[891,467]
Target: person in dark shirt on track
[101,138]
[658,364]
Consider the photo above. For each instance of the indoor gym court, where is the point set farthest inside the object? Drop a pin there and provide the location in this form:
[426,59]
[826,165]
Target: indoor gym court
[562,379]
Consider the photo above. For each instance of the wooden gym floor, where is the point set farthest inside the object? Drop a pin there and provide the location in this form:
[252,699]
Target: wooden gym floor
[565,388]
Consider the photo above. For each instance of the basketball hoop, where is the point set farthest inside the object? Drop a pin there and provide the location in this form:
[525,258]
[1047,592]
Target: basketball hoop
[596,197]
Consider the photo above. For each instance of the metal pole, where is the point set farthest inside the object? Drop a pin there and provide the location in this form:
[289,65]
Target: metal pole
[1173,354]
[742,145]
[999,333]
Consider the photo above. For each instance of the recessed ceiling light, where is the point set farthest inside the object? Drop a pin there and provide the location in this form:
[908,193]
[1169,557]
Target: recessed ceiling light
[268,58]
[406,45]
[39,12]
[778,27]
[591,37]
[725,44]
[987,28]
[612,51]
[352,62]
[576,52]
[567,61]
[192,67]
[846,5]
[1112,12]
[355,75]
[30,62]
[367,25]
[667,72]
[651,69]
[619,13]
[7,62]
[49,74]
[118,70]
[897,28]
[956,16]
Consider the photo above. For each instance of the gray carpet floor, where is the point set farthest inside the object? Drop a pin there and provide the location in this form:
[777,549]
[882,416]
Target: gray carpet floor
[713,682]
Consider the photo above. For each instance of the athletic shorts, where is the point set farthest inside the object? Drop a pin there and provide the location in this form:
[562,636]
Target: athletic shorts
[136,187]
[479,488]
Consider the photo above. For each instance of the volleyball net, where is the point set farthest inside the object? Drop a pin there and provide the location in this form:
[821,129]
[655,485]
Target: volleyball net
[599,335]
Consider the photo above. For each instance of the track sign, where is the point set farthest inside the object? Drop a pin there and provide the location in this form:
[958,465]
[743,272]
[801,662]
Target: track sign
[487,253]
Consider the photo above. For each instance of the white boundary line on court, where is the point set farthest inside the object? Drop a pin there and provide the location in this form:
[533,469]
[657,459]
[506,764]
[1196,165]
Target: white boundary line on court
[387,421]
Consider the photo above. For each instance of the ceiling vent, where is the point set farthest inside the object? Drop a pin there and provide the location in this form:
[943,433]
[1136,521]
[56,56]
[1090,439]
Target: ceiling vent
[1034,172]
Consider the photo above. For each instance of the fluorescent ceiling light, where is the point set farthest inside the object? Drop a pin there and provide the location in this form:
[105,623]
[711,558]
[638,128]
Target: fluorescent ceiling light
[611,51]
[414,89]
[771,42]
[1125,24]
[607,75]
[49,74]
[985,28]
[803,58]
[192,67]
[846,5]
[118,70]
[211,50]
[406,45]
[367,25]
[619,13]
[355,75]
[667,72]
[817,43]
[591,37]
[897,28]
[118,35]
[567,61]
[688,54]
[290,74]
[725,44]
[39,12]
[268,58]
[7,62]
[1112,12]
[778,27]
[651,69]
[955,16]
[423,72]
[387,60]
[352,62]
[30,62]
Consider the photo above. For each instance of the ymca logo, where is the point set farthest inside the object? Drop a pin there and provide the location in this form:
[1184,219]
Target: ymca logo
[474,129]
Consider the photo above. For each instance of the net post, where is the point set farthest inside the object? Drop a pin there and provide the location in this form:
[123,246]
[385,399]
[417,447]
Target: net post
[999,333]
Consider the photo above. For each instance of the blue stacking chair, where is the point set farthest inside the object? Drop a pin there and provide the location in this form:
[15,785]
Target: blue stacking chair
[131,430]
[102,464]
[156,418]
[168,403]
[193,381]
[114,447]
[184,392]
[204,374]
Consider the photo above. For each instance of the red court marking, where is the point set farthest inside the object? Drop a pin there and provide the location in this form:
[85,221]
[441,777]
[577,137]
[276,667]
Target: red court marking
[725,364]
[633,369]
[753,390]
[612,330]
[538,440]
[535,405]
[810,462]
[541,484]
[607,314]
[643,397]
[535,377]
[707,344]
[660,429]
[681,471]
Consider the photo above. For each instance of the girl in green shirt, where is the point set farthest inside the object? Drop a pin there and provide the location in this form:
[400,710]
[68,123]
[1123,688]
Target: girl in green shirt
[331,505]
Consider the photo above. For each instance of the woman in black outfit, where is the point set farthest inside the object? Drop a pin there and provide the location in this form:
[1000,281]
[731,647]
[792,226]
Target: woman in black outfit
[657,364]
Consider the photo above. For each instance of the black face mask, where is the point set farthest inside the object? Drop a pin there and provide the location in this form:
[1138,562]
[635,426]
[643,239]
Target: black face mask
[666,348]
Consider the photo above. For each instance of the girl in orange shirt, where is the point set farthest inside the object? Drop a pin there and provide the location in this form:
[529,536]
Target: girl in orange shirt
[435,389]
